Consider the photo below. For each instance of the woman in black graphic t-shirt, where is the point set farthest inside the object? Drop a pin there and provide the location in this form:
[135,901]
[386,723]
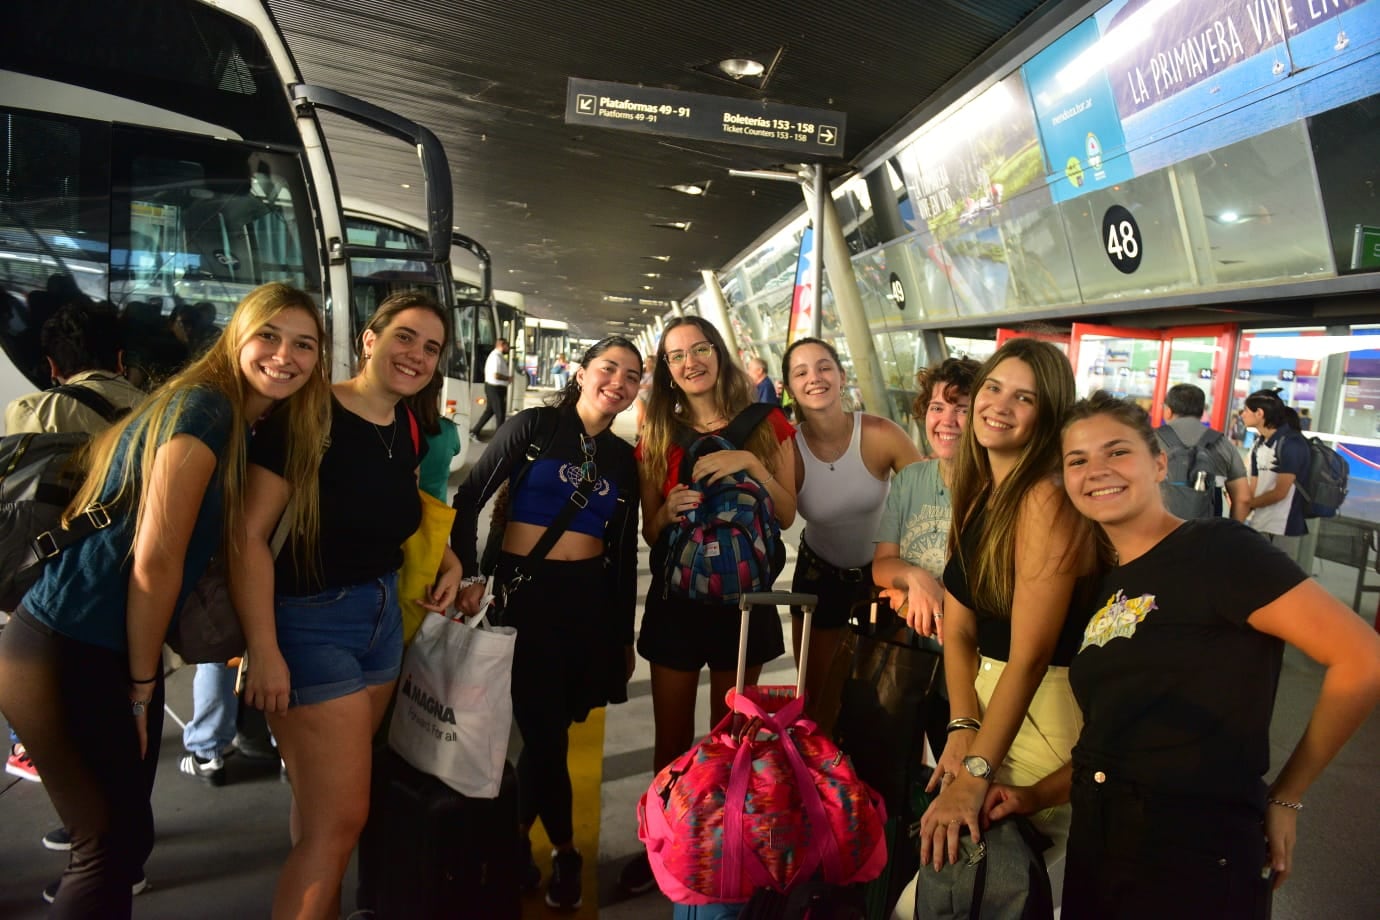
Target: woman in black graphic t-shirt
[1176,678]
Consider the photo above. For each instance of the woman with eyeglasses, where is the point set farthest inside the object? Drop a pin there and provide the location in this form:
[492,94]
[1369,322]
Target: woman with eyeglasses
[698,390]
[573,601]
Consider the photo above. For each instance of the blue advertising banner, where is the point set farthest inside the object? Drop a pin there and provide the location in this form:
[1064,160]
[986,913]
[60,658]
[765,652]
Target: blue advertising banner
[1188,76]
[1076,112]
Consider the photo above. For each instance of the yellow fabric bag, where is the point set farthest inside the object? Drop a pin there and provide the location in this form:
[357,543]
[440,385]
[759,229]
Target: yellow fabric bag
[422,555]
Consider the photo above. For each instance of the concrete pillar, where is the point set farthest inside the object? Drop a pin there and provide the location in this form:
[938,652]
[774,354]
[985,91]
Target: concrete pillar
[714,308]
[844,285]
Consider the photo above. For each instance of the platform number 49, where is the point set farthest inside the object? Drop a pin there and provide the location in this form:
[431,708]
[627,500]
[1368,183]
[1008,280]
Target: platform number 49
[1123,242]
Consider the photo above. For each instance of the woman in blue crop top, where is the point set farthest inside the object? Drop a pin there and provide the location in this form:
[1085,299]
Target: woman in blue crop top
[322,620]
[844,467]
[86,643]
[574,607]
[1016,549]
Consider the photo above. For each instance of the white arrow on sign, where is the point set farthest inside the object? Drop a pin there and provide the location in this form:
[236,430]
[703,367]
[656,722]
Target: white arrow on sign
[827,135]
[584,104]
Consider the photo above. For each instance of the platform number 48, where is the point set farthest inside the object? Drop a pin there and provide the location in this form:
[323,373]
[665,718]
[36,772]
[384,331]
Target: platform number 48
[1121,234]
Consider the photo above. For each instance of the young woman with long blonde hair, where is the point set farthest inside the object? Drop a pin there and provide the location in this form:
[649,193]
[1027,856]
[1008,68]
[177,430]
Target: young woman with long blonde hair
[81,660]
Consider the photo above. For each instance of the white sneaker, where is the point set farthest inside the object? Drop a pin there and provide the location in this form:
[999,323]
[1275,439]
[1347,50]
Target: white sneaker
[211,771]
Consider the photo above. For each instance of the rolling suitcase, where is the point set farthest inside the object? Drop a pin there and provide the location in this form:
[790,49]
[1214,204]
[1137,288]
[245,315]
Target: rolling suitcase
[428,852]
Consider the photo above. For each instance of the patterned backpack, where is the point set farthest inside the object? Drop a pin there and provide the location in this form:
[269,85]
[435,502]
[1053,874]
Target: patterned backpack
[731,544]
[771,803]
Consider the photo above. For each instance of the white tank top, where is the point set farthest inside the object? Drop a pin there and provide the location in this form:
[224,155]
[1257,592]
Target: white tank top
[841,502]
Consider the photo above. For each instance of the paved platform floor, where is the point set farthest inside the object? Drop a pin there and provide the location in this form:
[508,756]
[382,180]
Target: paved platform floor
[219,849]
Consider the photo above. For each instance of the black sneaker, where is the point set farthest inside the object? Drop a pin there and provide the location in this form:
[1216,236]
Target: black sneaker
[58,839]
[50,893]
[564,890]
[637,877]
[211,771]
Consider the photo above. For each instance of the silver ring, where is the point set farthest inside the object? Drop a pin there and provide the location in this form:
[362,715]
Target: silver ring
[939,616]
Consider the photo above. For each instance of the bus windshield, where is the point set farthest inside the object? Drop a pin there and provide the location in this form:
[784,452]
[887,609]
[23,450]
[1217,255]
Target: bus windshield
[142,218]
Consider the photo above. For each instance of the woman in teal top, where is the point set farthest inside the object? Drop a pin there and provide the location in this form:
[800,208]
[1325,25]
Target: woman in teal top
[81,660]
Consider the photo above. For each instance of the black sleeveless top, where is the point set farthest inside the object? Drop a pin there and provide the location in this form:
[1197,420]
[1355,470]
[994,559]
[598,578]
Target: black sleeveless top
[994,627]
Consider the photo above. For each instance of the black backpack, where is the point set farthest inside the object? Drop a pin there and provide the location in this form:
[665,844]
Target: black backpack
[1325,487]
[1182,498]
[38,479]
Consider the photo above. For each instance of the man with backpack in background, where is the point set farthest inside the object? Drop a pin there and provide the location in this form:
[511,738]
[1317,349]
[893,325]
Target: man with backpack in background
[1197,457]
[84,348]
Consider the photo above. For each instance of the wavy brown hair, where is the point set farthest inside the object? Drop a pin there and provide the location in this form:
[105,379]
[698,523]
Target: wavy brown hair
[218,370]
[668,415]
[992,569]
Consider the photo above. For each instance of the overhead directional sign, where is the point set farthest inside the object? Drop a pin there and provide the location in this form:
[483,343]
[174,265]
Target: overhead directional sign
[673,113]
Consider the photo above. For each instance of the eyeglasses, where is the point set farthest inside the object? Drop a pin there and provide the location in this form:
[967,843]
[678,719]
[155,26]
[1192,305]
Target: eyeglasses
[588,470]
[701,352]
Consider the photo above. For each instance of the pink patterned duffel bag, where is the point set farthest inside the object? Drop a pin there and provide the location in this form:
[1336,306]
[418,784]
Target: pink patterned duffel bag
[765,805]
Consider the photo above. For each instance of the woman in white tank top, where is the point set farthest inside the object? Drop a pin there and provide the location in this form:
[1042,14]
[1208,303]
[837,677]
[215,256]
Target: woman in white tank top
[843,473]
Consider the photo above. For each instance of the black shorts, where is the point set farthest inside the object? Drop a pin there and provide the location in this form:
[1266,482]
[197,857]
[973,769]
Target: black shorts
[686,635]
[837,589]
[1135,853]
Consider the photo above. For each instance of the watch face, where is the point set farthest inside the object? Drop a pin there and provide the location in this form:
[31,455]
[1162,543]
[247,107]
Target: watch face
[977,766]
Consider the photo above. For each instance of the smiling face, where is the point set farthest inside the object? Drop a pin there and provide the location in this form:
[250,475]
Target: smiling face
[281,355]
[1110,472]
[1004,412]
[814,377]
[609,384]
[945,420]
[694,368]
[402,357]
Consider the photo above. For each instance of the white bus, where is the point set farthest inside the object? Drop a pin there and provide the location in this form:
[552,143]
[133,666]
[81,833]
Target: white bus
[157,154]
[388,241]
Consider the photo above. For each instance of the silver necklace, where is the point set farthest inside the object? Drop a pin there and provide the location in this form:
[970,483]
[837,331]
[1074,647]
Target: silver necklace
[392,433]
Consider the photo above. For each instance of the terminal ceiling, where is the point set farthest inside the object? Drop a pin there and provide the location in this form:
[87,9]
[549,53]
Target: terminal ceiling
[569,213]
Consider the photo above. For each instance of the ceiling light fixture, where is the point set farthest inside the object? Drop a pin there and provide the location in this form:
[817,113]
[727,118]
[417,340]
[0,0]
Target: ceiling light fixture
[651,274]
[646,287]
[738,68]
[673,225]
[689,188]
[658,258]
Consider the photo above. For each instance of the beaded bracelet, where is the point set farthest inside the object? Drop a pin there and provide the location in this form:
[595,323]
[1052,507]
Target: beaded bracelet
[1297,806]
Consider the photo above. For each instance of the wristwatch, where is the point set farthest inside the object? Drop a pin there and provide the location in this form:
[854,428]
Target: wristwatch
[139,707]
[977,766]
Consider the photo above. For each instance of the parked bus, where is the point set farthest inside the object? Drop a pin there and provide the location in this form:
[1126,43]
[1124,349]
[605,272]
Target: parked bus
[547,339]
[186,176]
[480,316]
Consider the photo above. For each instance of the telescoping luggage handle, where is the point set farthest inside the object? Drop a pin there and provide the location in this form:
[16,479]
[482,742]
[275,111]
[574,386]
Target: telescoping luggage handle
[806,603]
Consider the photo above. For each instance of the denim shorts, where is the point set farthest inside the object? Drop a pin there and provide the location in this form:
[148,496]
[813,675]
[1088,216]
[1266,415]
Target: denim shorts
[342,640]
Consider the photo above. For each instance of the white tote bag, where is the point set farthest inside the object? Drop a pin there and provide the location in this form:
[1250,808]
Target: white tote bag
[454,707]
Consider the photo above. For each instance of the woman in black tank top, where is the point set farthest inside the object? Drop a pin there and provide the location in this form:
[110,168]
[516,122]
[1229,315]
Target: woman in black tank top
[1016,548]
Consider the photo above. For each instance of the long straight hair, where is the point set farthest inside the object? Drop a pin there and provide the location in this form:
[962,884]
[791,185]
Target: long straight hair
[668,414]
[154,422]
[992,568]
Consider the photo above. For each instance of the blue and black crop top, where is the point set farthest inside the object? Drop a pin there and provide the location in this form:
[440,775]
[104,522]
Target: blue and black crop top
[547,487]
